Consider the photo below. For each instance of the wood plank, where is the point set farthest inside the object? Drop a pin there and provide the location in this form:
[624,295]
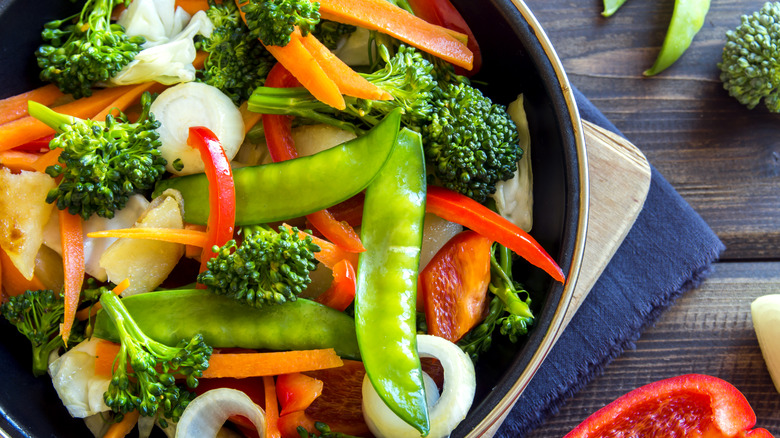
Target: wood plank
[708,331]
[723,158]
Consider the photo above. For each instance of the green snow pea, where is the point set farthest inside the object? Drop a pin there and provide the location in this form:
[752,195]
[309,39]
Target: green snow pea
[172,315]
[387,281]
[294,188]
[611,6]
[687,20]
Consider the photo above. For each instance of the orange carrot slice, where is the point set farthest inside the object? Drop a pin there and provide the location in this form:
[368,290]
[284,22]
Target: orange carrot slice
[250,118]
[271,408]
[348,81]
[27,129]
[387,18]
[73,267]
[48,159]
[308,71]
[122,428]
[17,161]
[240,365]
[15,107]
[173,235]
[14,282]
[329,254]
[192,6]
[132,96]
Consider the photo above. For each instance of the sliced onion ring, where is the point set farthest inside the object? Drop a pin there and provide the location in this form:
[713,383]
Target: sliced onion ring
[206,413]
[445,413]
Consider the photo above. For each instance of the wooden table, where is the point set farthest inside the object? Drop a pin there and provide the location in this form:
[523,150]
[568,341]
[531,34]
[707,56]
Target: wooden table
[723,159]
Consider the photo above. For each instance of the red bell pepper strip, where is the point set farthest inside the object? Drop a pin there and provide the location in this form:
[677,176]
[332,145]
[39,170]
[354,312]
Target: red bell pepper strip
[342,290]
[72,265]
[278,136]
[296,391]
[222,192]
[688,405]
[463,210]
[444,14]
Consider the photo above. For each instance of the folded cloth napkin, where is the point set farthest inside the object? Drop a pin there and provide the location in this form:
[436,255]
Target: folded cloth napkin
[668,251]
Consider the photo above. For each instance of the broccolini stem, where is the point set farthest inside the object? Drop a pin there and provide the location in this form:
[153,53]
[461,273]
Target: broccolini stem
[505,289]
[49,117]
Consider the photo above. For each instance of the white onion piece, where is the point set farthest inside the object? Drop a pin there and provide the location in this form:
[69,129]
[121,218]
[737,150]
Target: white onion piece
[766,322]
[195,104]
[206,413]
[445,413]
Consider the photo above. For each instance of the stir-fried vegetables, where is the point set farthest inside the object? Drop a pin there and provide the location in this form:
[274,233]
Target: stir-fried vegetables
[303,314]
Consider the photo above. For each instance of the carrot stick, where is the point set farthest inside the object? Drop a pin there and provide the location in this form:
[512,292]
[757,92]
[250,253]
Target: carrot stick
[200,59]
[73,266]
[122,428]
[250,118]
[192,6]
[14,282]
[390,19]
[308,71]
[17,161]
[173,235]
[271,409]
[48,159]
[132,96]
[348,81]
[329,254]
[27,129]
[239,365]
[92,310]
[15,107]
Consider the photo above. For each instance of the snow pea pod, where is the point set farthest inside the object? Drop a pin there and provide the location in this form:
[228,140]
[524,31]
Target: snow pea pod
[386,290]
[687,20]
[172,315]
[294,188]
[611,6]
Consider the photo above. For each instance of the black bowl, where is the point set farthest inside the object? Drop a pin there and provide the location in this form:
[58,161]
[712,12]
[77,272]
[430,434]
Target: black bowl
[517,58]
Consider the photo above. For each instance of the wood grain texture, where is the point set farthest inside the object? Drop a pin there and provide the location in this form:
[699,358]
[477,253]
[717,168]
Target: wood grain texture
[708,331]
[723,158]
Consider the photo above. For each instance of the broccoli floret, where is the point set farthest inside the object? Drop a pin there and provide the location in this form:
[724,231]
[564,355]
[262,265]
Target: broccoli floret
[102,163]
[85,52]
[406,77]
[272,21]
[268,267]
[38,315]
[509,309]
[237,62]
[470,142]
[143,379]
[750,69]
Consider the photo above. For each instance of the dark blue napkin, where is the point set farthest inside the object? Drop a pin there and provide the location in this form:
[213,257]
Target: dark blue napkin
[668,251]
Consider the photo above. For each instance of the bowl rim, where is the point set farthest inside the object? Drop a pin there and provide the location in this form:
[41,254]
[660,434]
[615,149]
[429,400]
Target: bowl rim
[490,424]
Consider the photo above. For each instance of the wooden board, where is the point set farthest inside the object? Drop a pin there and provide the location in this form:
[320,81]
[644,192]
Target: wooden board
[619,181]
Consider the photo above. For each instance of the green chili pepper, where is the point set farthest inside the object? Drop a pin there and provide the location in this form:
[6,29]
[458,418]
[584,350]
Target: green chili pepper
[687,20]
[611,6]
[169,316]
[387,281]
[294,188]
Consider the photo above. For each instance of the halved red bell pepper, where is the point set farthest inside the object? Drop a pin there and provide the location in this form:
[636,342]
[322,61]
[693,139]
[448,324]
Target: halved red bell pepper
[296,391]
[222,192]
[341,292]
[463,210]
[689,405]
[453,286]
[278,136]
[443,13]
